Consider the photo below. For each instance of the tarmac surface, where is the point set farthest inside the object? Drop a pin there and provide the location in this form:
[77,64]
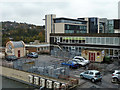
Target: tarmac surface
[83,83]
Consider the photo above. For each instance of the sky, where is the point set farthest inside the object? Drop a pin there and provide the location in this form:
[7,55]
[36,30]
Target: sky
[34,11]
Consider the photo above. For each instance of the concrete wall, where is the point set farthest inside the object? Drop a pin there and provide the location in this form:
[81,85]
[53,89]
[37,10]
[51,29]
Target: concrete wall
[48,26]
[23,76]
[59,27]
[22,52]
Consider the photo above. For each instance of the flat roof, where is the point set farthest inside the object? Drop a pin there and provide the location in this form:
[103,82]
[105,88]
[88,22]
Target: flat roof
[40,45]
[69,19]
[88,34]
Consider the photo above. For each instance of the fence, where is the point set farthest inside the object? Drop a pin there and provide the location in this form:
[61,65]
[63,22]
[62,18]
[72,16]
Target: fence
[30,65]
[64,54]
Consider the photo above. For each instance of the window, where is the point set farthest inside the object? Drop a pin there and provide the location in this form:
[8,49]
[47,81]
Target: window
[94,40]
[118,73]
[98,53]
[68,27]
[90,40]
[98,41]
[87,40]
[91,73]
[86,72]
[116,41]
[102,40]
[97,73]
[69,62]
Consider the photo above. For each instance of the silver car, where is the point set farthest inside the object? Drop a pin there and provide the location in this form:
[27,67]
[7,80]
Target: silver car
[93,75]
[116,76]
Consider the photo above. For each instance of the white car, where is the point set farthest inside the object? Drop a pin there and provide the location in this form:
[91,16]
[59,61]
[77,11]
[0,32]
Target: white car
[116,76]
[81,60]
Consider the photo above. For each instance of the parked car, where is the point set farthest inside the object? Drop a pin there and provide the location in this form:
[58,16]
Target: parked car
[32,55]
[81,60]
[71,64]
[116,76]
[93,75]
[11,58]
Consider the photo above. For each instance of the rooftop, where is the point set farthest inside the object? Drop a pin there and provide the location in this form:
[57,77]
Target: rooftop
[62,18]
[40,45]
[17,44]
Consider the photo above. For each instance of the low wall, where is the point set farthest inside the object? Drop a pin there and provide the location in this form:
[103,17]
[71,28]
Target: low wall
[22,76]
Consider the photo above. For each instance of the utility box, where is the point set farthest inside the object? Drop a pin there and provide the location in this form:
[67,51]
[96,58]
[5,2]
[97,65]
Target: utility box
[31,80]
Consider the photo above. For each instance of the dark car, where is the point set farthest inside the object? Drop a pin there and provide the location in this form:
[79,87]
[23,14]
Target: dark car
[71,64]
[32,55]
[11,58]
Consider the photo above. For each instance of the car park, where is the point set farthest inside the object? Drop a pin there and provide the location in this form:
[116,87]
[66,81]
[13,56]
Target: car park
[92,75]
[32,55]
[71,64]
[116,76]
[83,61]
[11,58]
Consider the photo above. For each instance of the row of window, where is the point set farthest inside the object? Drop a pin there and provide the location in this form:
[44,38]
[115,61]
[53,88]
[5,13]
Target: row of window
[43,48]
[89,40]
[75,27]
[69,21]
[78,49]
[75,31]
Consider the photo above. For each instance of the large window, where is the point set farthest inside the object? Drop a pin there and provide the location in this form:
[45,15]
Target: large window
[116,41]
[90,40]
[69,21]
[75,28]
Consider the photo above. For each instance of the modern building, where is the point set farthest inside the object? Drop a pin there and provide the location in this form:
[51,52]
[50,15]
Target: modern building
[98,37]
[95,25]
[107,44]
[63,25]
[48,26]
[119,10]
[79,25]
[113,26]
[16,48]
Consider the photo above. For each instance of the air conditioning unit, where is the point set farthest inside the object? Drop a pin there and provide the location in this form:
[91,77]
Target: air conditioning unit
[30,78]
[49,84]
[56,85]
[36,80]
[42,82]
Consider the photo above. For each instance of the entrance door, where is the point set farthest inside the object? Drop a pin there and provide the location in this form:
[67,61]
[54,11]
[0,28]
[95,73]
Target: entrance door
[92,56]
[18,53]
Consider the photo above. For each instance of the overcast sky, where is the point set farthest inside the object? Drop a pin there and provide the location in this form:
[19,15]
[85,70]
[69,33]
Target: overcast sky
[33,11]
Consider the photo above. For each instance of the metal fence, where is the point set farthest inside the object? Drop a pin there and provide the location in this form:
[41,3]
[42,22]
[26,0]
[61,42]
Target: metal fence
[54,70]
[64,54]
